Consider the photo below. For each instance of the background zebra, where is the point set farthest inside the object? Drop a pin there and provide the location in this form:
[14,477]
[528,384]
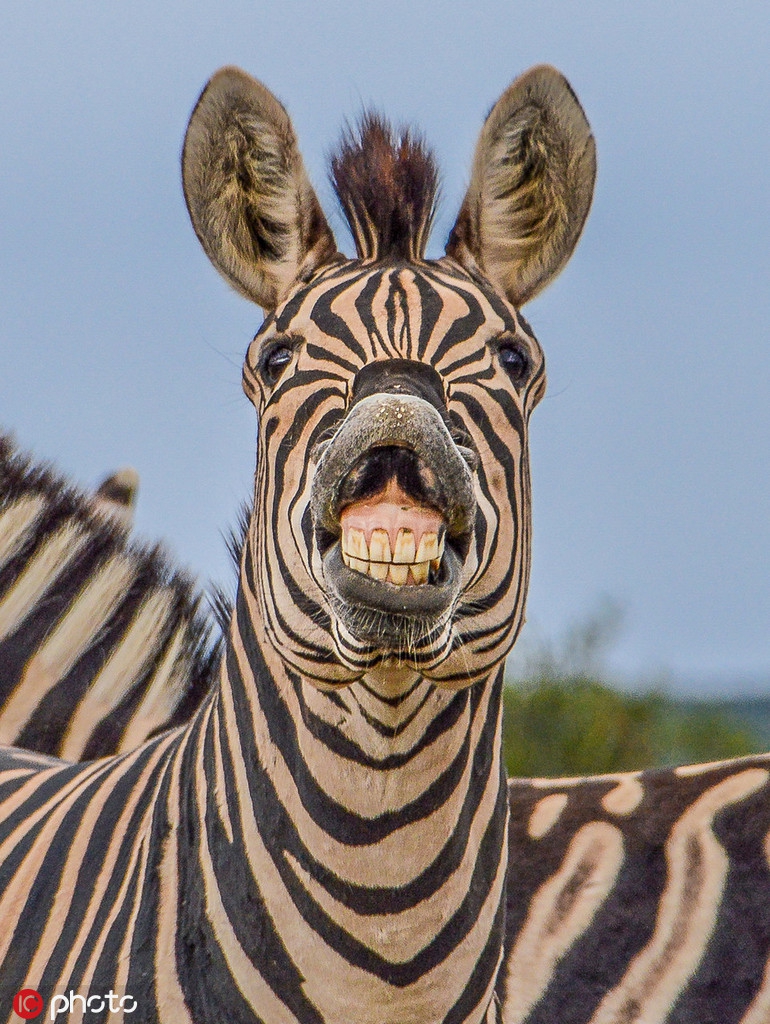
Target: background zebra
[102,643]
[329,835]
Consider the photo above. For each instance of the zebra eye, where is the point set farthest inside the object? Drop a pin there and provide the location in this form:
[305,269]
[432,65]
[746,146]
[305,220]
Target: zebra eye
[515,360]
[274,361]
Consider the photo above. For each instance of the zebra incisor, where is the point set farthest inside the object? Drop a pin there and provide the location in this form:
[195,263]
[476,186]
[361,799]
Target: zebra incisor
[331,836]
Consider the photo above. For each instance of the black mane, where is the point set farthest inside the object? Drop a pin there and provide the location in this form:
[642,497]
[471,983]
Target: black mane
[387,184]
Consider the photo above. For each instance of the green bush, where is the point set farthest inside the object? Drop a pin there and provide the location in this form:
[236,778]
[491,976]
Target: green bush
[576,725]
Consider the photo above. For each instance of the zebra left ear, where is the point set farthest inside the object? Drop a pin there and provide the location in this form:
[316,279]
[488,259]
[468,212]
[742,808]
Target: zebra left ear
[248,194]
[531,186]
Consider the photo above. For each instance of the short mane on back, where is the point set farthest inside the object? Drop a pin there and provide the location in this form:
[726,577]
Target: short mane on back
[387,183]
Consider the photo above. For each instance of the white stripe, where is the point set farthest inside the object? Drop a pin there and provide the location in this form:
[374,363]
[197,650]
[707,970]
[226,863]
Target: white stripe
[74,633]
[16,523]
[48,563]
[126,664]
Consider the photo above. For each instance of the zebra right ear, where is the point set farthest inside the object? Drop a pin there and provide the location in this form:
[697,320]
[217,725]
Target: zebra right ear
[248,194]
[530,188]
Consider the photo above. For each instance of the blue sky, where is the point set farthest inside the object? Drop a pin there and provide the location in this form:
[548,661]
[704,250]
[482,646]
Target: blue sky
[119,344]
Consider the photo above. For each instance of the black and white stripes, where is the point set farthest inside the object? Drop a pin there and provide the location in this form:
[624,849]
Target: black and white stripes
[101,642]
[640,898]
[433,315]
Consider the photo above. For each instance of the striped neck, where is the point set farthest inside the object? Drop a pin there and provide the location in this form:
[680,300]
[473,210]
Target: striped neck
[357,841]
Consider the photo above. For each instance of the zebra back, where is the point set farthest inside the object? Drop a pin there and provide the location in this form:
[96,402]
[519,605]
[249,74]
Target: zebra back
[103,642]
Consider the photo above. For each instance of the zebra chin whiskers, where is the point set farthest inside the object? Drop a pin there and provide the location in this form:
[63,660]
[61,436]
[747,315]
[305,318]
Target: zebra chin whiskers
[367,638]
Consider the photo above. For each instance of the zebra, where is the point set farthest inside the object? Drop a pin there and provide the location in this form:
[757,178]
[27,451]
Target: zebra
[328,833]
[331,835]
[102,642]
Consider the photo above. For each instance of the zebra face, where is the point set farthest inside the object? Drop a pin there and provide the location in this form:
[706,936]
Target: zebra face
[391,522]
[395,400]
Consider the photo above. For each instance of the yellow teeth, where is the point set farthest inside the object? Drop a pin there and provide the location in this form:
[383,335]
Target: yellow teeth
[406,563]
[398,574]
[356,543]
[379,546]
[405,550]
[428,549]
[419,572]
[379,554]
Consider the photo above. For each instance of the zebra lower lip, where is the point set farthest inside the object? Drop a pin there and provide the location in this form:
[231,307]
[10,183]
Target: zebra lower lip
[355,590]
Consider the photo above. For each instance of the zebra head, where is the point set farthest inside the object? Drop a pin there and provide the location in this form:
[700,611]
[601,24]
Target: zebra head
[391,525]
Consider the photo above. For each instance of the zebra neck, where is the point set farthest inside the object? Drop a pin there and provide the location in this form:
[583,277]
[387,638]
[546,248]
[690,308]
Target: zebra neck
[375,854]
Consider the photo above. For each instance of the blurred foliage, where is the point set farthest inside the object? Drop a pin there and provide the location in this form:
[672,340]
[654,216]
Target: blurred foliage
[562,716]
[575,725]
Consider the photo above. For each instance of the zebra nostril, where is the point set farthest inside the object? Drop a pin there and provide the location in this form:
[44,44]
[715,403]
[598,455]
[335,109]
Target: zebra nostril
[322,441]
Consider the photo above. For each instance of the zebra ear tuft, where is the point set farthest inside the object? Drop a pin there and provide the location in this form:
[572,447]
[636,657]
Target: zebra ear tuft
[248,194]
[531,186]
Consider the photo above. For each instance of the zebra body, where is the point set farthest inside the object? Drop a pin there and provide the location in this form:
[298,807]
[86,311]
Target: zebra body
[640,898]
[331,836]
